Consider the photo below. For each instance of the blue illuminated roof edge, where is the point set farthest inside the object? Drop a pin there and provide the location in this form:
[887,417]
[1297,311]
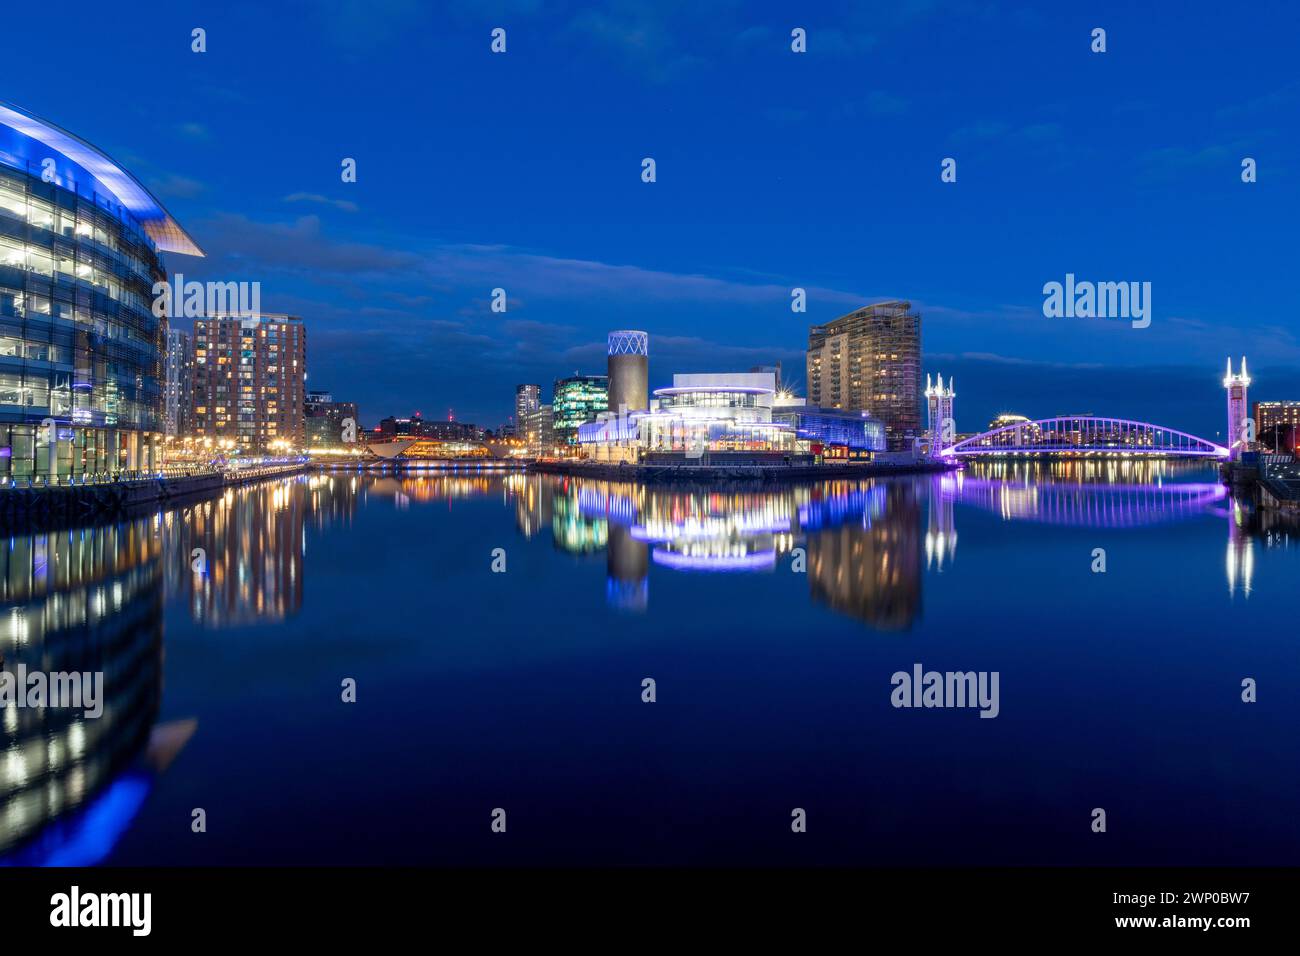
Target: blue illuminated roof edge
[167,234]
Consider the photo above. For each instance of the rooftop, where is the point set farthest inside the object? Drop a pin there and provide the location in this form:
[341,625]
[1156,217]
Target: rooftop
[106,176]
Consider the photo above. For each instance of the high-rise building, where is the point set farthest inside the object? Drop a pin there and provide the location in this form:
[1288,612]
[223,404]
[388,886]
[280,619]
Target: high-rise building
[528,398]
[176,398]
[250,381]
[327,420]
[1277,425]
[577,399]
[80,245]
[629,375]
[870,360]
[539,431]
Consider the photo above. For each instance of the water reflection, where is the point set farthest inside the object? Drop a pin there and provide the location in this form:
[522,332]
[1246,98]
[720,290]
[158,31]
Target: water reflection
[1087,494]
[865,544]
[92,599]
[246,548]
[859,542]
[869,566]
[81,601]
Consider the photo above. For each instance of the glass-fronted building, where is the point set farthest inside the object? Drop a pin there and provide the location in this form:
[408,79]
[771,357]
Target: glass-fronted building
[834,432]
[727,411]
[81,351]
[577,399]
[528,398]
[176,397]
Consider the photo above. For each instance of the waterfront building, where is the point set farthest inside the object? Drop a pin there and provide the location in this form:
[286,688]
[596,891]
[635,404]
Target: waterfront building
[392,426]
[539,432]
[1277,425]
[1007,418]
[528,398]
[728,411]
[870,360]
[833,433]
[1027,432]
[418,427]
[455,431]
[723,412]
[179,367]
[629,374]
[576,400]
[326,418]
[80,246]
[250,375]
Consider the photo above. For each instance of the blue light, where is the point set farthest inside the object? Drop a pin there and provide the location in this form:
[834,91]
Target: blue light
[86,838]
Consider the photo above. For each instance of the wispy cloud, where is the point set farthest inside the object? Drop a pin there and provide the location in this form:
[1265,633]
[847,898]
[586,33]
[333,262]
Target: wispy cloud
[194,131]
[175,187]
[637,35]
[983,131]
[346,205]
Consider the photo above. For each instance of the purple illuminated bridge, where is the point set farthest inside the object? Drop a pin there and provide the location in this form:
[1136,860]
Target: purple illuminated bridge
[1086,436]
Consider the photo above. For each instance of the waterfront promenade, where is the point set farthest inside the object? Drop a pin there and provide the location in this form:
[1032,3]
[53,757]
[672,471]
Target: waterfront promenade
[36,500]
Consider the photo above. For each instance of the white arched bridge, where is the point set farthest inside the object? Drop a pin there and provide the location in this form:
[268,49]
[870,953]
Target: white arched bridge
[1086,435]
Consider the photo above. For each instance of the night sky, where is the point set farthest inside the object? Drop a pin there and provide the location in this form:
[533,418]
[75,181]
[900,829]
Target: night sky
[775,170]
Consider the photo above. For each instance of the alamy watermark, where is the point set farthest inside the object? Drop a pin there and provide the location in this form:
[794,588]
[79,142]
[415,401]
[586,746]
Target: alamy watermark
[1098,300]
[78,690]
[922,688]
[129,910]
[194,300]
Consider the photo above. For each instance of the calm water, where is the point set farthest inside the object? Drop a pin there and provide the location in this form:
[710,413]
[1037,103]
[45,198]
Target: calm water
[522,690]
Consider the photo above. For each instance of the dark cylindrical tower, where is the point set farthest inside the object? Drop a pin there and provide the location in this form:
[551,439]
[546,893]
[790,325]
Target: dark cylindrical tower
[629,375]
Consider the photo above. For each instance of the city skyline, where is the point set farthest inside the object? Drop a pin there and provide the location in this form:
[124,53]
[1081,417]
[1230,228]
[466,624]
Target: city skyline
[597,437]
[1105,166]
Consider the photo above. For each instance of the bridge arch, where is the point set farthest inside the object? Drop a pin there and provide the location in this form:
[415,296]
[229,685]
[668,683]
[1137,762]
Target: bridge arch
[1086,435]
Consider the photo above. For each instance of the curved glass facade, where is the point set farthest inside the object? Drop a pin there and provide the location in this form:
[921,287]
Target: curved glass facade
[79,343]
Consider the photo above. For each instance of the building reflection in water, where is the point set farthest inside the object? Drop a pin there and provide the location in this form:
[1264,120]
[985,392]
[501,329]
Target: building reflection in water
[861,538]
[1240,561]
[82,601]
[253,543]
[532,497]
[866,548]
[941,528]
[870,566]
[627,580]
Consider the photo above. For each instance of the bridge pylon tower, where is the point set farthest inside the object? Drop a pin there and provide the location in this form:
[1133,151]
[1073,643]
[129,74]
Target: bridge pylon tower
[938,411]
[1241,430]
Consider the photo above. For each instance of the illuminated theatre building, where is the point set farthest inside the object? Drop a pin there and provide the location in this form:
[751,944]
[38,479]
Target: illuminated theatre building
[80,239]
[729,417]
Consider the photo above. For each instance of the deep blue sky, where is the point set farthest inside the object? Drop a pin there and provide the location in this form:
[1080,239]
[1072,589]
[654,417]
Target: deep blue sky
[775,170]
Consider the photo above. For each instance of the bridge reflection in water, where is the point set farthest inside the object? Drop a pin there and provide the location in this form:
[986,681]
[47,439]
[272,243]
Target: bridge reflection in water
[1097,505]
[91,599]
[865,546]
